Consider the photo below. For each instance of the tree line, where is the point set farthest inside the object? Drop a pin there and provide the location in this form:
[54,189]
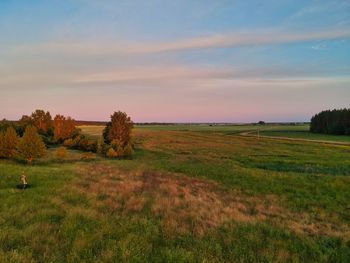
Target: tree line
[335,121]
[30,137]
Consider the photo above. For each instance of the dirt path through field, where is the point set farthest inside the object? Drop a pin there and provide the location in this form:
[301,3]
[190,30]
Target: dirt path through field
[249,134]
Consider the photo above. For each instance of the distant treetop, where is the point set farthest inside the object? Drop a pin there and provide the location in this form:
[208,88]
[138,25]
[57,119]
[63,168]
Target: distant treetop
[331,122]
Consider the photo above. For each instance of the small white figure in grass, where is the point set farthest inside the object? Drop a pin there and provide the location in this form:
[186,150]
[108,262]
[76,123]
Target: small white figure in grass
[24,180]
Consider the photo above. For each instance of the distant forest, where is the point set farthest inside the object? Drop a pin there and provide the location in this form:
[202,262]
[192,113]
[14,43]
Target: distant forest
[331,122]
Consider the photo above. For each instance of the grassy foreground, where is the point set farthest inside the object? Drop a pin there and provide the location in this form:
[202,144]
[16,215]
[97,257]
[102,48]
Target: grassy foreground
[190,194]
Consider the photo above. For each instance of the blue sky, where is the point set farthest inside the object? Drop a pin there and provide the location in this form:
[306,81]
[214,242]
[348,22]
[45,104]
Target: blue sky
[222,61]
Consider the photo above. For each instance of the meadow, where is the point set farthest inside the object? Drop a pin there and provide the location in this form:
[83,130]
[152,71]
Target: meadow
[191,193]
[299,132]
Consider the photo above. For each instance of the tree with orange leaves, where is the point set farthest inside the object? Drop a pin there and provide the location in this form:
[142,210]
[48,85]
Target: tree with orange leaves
[31,146]
[118,135]
[118,129]
[64,128]
[8,143]
[42,121]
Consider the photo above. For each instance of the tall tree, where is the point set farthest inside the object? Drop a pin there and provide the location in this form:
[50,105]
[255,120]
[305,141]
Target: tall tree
[9,143]
[64,128]
[31,146]
[331,122]
[23,123]
[118,129]
[42,121]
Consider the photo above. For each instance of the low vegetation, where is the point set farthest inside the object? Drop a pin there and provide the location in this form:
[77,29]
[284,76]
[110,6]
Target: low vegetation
[29,138]
[189,194]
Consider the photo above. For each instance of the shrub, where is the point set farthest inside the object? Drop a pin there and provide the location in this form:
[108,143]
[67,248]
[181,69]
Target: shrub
[100,145]
[80,142]
[116,150]
[31,145]
[111,153]
[76,141]
[89,145]
[128,150]
[61,153]
[69,143]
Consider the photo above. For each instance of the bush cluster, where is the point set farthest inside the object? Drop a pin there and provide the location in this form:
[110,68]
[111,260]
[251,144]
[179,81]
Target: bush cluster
[82,143]
[331,122]
[116,150]
[28,138]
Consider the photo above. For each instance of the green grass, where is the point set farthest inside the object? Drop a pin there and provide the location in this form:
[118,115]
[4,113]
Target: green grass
[300,131]
[56,220]
[307,135]
[296,131]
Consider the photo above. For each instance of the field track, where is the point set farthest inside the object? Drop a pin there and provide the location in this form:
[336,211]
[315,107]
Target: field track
[249,134]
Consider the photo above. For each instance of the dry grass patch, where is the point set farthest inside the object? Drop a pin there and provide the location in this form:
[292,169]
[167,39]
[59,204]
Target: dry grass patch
[190,205]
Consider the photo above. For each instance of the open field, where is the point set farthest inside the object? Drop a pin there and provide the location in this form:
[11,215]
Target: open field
[306,135]
[226,129]
[190,194]
[299,131]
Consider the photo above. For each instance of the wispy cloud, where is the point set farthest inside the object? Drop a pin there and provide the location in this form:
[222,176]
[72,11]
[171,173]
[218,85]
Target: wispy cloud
[154,73]
[242,39]
[319,46]
[163,75]
[246,38]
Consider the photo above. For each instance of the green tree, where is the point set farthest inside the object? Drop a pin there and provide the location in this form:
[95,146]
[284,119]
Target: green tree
[331,122]
[31,146]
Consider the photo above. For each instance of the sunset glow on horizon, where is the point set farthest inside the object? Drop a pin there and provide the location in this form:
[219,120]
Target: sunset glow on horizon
[175,61]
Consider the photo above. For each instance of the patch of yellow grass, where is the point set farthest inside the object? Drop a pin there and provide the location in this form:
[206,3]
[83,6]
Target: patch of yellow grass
[193,205]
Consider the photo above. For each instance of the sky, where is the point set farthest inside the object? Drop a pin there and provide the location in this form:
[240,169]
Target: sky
[175,61]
